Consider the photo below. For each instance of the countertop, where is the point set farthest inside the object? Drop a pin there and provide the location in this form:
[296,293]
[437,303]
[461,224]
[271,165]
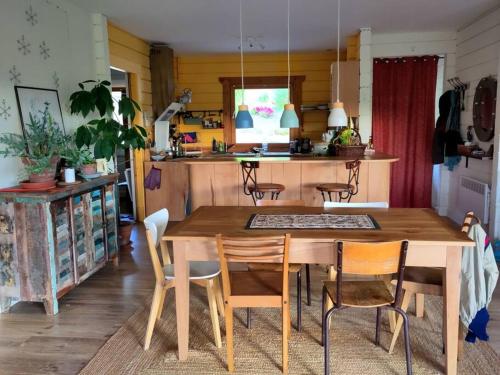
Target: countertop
[229,158]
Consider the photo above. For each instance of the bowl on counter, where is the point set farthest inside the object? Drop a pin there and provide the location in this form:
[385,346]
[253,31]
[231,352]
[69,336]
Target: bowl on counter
[158,157]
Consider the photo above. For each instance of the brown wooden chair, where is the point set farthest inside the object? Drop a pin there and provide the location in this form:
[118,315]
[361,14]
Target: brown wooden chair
[371,258]
[343,191]
[252,187]
[293,267]
[419,281]
[205,274]
[255,288]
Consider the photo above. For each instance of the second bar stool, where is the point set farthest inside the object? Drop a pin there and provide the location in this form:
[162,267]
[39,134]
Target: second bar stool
[343,191]
[250,185]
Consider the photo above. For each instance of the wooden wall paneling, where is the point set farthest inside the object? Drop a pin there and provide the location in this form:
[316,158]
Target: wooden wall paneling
[62,245]
[9,277]
[343,177]
[174,191]
[287,174]
[225,184]
[379,177]
[313,174]
[201,183]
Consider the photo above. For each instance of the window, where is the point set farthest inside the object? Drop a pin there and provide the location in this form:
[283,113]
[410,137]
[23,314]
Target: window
[265,97]
[266,107]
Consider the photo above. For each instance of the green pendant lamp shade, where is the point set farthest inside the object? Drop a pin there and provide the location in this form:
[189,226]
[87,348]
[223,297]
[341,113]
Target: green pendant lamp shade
[243,118]
[289,117]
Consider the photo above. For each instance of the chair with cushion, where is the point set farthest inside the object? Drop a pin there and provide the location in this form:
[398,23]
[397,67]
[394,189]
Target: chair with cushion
[293,267]
[255,288]
[204,274]
[344,191]
[370,258]
[252,187]
[419,281]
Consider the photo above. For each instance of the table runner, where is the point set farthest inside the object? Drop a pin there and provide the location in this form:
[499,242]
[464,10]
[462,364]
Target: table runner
[311,221]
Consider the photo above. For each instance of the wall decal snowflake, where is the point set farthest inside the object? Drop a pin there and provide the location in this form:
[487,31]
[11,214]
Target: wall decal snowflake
[44,50]
[31,16]
[56,80]
[23,45]
[15,76]
[4,109]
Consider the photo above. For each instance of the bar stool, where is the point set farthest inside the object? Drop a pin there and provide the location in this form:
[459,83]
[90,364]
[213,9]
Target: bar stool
[254,189]
[344,191]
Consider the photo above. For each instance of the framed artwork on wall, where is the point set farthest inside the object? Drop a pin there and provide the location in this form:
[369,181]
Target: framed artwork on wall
[34,101]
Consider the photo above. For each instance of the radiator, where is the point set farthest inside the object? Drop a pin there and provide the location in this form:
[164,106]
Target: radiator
[474,195]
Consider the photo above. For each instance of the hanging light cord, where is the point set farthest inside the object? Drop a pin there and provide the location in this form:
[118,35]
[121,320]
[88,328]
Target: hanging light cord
[338,48]
[241,53]
[288,48]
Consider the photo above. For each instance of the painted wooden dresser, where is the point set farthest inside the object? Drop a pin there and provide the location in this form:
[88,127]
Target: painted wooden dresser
[52,241]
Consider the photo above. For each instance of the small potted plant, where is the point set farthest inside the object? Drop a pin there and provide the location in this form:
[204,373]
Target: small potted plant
[348,143]
[87,163]
[39,149]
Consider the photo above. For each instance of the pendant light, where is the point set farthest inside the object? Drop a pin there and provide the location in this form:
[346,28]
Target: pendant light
[289,118]
[337,117]
[243,118]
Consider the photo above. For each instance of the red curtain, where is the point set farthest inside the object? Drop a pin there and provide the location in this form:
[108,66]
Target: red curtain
[404,91]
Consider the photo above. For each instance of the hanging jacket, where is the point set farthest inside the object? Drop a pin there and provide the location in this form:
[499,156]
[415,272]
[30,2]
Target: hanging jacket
[479,278]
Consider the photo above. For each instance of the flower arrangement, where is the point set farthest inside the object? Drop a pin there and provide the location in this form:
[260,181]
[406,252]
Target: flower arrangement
[263,111]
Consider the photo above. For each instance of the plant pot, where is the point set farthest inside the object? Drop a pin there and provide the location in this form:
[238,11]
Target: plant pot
[125,230]
[69,175]
[88,169]
[45,176]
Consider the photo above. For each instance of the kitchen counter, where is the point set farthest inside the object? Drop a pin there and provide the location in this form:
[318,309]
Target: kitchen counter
[216,180]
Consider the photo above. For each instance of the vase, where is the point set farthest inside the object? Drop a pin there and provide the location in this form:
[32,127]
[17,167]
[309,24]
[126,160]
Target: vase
[69,175]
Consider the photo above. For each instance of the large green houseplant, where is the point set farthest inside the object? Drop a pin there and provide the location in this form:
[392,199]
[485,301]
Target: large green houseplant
[103,131]
[39,149]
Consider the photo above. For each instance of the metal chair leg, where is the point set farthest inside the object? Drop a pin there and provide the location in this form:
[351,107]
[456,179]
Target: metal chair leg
[299,301]
[249,317]
[406,330]
[308,285]
[377,329]
[323,195]
[323,312]
[330,196]
[326,341]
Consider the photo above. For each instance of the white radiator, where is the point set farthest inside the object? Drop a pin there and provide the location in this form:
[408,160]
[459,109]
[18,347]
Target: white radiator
[474,195]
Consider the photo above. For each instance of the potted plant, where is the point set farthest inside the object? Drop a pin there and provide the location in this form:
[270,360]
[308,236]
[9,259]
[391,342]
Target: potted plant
[88,165]
[39,149]
[348,143]
[104,132]
[78,158]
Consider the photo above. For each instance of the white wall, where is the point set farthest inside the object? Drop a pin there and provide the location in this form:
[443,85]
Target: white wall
[77,42]
[478,48]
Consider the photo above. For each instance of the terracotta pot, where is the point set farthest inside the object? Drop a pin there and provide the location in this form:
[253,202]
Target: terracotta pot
[47,175]
[125,230]
[87,169]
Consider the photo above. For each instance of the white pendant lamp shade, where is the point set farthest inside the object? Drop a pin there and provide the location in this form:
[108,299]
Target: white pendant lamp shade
[337,117]
[289,118]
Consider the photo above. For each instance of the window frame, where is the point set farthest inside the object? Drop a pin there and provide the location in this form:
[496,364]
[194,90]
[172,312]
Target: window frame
[230,84]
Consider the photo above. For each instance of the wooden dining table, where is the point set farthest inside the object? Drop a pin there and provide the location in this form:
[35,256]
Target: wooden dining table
[433,242]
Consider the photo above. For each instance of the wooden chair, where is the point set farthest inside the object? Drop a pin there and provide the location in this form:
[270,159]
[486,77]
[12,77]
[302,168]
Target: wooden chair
[252,187]
[205,274]
[419,281]
[255,288]
[328,204]
[343,191]
[371,258]
[293,267]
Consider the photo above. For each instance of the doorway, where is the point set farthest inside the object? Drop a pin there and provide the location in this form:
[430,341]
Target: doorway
[120,86]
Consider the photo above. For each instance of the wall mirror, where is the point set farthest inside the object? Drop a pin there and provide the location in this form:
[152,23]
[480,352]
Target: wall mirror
[484,108]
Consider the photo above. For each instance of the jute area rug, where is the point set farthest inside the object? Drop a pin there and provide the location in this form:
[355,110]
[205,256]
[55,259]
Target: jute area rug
[258,350]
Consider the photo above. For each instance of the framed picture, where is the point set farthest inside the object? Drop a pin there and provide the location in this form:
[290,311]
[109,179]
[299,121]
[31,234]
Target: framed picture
[32,100]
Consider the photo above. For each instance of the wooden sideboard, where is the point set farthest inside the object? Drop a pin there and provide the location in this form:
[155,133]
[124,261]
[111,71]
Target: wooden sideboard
[52,241]
[187,184]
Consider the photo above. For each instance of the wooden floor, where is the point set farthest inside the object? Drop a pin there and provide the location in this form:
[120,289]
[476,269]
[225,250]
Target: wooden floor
[33,343]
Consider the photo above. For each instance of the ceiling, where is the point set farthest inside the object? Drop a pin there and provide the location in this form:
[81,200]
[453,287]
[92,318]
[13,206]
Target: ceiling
[213,25]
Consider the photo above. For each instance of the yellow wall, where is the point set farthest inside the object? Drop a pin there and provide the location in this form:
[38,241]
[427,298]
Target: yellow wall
[130,53]
[201,74]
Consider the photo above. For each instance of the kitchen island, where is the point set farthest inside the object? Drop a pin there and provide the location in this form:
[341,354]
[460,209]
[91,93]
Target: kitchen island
[188,183]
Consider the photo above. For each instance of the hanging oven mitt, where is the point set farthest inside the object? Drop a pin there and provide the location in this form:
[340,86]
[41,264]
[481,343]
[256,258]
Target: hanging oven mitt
[153,179]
